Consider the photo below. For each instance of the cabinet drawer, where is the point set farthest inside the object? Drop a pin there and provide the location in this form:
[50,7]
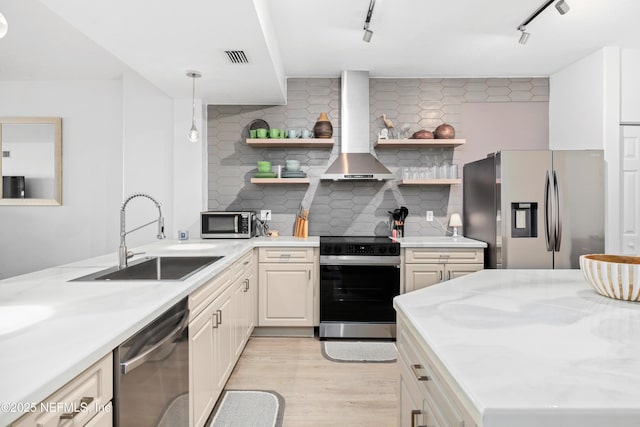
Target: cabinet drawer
[433,390]
[206,293]
[76,402]
[458,256]
[286,255]
[243,265]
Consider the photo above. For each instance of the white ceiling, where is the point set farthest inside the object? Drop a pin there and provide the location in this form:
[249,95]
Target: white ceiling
[163,39]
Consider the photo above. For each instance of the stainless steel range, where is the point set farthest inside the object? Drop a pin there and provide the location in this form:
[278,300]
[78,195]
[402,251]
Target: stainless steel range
[359,276]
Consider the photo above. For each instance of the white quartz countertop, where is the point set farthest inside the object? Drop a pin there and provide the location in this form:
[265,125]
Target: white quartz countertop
[52,329]
[533,347]
[439,242]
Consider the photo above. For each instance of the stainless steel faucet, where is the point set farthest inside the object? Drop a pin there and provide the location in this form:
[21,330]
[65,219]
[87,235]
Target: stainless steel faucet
[123,254]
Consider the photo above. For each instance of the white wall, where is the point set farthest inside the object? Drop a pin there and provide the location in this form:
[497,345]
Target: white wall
[147,157]
[117,139]
[584,113]
[190,169]
[86,224]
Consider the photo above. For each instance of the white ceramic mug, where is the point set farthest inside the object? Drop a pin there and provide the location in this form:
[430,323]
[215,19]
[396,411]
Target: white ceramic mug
[293,133]
[305,134]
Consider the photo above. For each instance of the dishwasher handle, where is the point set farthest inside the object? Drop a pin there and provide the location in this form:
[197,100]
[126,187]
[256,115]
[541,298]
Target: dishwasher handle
[131,364]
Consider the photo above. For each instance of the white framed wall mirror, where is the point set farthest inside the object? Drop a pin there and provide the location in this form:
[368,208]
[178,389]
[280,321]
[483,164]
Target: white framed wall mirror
[31,161]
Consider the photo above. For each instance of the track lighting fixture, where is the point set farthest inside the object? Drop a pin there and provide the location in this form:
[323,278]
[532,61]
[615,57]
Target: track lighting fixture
[367,32]
[524,36]
[561,6]
[194,135]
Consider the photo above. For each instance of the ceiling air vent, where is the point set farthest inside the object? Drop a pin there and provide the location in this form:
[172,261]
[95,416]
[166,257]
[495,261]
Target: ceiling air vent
[237,56]
[6,154]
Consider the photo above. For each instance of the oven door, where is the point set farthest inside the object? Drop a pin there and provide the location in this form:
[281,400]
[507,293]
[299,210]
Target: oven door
[356,292]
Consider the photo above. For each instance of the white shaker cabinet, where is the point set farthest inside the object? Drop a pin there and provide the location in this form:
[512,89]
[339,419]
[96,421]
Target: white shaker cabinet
[427,266]
[85,400]
[426,398]
[218,333]
[287,287]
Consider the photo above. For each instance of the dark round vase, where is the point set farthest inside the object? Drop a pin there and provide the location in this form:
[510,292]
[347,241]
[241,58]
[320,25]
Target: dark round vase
[323,127]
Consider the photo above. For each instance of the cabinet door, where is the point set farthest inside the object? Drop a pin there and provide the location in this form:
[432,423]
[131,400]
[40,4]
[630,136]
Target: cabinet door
[458,270]
[251,304]
[418,276]
[201,365]
[285,295]
[224,338]
[411,401]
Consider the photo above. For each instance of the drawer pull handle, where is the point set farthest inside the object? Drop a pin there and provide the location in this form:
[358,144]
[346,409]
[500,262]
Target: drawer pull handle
[84,402]
[419,377]
[246,285]
[441,276]
[219,316]
[415,413]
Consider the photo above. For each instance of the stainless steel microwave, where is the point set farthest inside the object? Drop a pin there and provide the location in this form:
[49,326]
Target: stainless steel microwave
[227,225]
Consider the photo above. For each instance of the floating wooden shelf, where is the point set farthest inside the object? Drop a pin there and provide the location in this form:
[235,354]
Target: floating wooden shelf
[429,182]
[418,143]
[280,180]
[295,142]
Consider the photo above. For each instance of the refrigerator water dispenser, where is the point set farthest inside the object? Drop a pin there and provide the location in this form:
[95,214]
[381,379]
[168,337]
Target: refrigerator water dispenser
[524,218]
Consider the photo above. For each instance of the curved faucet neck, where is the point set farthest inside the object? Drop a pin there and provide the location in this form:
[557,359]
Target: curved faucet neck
[122,251]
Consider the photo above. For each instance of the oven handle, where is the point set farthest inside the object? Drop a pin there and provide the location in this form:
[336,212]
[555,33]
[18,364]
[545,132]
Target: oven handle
[358,260]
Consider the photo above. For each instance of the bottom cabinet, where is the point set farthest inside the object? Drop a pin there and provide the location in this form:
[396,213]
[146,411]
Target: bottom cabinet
[285,297]
[217,337]
[426,397]
[85,400]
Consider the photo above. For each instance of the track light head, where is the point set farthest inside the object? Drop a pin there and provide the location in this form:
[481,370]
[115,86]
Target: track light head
[524,36]
[562,7]
[367,35]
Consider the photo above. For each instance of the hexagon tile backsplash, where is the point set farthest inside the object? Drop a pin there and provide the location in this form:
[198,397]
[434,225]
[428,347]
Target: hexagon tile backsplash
[350,208]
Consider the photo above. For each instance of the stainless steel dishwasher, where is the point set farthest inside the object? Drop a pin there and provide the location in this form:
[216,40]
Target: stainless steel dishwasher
[151,373]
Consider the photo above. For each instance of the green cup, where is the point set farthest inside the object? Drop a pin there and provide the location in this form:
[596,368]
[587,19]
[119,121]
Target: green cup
[274,133]
[261,133]
[264,166]
[253,133]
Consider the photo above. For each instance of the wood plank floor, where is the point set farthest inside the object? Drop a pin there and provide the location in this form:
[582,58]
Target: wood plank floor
[318,392]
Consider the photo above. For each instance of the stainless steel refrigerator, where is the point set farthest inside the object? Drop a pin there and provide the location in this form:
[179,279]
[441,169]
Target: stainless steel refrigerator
[536,209]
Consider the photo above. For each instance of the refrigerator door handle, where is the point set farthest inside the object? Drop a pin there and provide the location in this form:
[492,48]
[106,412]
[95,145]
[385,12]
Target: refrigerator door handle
[547,231]
[558,218]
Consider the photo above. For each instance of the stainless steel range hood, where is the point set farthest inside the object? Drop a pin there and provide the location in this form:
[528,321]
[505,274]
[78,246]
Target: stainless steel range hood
[355,162]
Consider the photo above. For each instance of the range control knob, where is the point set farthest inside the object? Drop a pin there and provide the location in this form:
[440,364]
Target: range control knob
[336,249]
[393,250]
[327,249]
[383,250]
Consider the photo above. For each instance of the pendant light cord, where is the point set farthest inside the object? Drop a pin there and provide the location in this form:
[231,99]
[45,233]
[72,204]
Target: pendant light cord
[193,100]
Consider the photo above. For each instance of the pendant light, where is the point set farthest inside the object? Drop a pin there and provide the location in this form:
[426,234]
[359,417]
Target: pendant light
[194,135]
[4,26]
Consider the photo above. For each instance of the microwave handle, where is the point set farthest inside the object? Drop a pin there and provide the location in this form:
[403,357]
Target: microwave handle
[235,223]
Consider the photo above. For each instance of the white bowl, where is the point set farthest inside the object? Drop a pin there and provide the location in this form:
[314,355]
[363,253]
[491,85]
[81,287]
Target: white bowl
[292,165]
[614,276]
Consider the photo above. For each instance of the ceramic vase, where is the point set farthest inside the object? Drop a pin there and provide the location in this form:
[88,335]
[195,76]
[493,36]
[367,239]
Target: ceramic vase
[323,127]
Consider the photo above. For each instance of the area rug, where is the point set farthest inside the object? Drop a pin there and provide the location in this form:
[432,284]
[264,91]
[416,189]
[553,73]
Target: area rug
[177,413]
[359,351]
[243,408]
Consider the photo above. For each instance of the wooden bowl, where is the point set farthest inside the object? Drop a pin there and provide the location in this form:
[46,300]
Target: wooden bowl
[614,276]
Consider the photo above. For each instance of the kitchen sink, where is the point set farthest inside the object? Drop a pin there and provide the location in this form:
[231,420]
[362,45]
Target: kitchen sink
[155,268]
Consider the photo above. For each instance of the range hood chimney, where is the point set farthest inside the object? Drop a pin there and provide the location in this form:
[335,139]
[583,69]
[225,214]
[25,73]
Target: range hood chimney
[355,162]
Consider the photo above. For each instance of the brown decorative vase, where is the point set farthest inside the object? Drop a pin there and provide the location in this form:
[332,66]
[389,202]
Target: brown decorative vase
[445,131]
[323,127]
